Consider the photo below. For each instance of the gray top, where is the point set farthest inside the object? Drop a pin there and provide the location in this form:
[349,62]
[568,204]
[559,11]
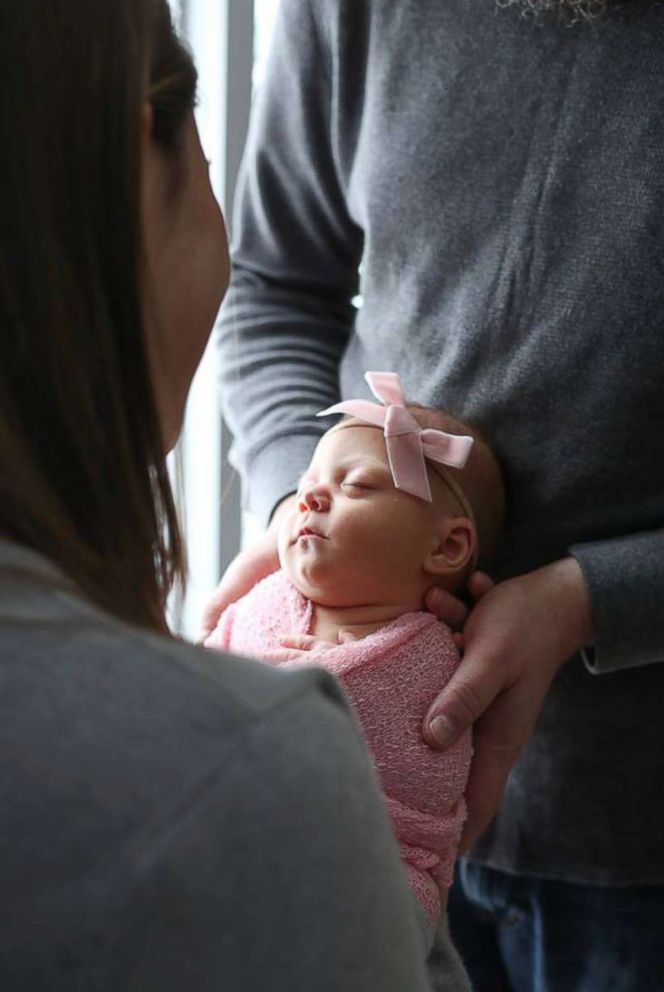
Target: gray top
[175,819]
[501,183]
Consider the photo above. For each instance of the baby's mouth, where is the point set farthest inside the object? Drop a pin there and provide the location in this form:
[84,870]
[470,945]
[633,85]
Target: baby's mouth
[310,532]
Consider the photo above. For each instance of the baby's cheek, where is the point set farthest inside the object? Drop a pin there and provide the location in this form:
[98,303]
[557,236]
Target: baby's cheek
[288,560]
[377,526]
[284,546]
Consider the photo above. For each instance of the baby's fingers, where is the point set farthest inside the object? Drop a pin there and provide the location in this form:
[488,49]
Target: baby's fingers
[279,655]
[300,642]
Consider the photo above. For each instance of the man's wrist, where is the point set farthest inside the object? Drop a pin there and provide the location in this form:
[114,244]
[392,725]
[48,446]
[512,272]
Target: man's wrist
[571,602]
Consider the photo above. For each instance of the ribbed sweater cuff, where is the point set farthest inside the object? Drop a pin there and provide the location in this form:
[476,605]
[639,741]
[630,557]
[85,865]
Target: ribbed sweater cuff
[625,580]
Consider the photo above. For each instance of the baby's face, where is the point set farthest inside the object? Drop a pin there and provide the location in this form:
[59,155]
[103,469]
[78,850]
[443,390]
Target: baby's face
[352,538]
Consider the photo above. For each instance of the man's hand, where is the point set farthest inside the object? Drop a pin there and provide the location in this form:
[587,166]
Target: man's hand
[515,639]
[246,569]
[453,611]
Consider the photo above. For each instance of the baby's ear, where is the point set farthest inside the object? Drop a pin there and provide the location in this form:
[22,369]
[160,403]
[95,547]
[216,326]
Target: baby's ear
[453,546]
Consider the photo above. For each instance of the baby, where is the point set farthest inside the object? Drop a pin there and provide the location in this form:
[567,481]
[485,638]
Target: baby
[390,505]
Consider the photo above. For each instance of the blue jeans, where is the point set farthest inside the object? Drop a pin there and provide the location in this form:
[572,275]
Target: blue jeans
[520,934]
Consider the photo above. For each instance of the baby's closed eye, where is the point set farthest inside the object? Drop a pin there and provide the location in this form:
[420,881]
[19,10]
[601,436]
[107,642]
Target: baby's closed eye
[356,485]
[367,478]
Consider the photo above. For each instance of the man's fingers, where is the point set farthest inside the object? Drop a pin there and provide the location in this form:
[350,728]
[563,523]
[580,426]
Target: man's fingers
[219,600]
[446,607]
[241,575]
[494,752]
[451,610]
[498,738]
[236,581]
[479,584]
[483,793]
[469,692]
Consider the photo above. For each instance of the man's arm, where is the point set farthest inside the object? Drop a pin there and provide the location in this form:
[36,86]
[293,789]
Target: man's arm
[296,254]
[624,578]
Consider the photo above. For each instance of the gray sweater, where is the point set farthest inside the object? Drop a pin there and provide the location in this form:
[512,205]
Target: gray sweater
[175,819]
[501,184]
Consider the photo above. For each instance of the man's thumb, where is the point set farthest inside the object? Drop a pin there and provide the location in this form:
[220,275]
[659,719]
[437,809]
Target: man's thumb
[458,706]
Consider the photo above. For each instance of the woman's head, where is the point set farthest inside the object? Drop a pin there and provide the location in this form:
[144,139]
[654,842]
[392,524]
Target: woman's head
[112,265]
[186,252]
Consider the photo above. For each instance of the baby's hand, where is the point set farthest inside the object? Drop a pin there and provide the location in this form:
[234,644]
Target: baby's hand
[305,646]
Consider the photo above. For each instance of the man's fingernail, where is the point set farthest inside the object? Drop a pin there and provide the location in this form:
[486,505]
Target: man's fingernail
[442,730]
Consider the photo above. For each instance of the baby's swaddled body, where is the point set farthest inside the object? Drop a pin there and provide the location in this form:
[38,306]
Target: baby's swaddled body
[391,677]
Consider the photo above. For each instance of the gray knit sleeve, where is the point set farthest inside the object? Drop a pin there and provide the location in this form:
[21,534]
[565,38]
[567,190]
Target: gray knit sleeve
[296,252]
[625,581]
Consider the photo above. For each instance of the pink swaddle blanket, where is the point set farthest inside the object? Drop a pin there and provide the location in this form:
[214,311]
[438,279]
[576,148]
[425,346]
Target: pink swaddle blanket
[391,677]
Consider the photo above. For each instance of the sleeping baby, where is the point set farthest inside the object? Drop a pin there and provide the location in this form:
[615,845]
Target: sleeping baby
[397,498]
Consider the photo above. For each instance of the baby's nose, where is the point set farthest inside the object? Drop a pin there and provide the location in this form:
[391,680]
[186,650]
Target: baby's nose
[310,499]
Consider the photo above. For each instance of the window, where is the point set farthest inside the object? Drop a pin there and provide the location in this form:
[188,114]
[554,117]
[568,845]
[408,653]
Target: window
[230,40]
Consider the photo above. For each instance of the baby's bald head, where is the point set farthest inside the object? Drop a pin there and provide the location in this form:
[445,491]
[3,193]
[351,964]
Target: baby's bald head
[480,479]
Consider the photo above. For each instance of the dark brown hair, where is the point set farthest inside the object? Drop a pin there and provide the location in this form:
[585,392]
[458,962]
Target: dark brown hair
[83,477]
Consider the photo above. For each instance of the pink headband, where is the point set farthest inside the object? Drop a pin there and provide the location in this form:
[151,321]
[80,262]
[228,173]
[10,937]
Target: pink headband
[407,443]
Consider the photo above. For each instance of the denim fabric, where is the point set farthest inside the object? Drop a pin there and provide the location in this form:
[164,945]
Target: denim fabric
[520,934]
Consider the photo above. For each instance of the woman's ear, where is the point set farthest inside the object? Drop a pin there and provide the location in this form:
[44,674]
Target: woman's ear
[453,547]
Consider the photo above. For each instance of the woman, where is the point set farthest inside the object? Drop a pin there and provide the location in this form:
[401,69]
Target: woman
[170,820]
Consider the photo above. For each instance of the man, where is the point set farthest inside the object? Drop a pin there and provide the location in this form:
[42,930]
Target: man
[499,181]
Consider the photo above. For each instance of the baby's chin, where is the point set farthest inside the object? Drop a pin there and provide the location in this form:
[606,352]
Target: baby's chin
[295,569]
[307,580]
[316,582]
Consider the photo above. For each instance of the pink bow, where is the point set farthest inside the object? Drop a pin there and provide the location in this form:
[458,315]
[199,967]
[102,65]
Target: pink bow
[407,443]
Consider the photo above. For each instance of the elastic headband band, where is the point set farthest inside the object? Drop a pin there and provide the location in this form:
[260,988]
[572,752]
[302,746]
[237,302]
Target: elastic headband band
[408,444]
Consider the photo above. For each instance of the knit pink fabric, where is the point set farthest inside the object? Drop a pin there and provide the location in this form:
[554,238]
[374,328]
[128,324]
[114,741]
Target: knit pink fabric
[391,677]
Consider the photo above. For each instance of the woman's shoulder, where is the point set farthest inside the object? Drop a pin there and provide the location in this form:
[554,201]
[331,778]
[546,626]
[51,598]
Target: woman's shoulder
[84,696]
[183,807]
